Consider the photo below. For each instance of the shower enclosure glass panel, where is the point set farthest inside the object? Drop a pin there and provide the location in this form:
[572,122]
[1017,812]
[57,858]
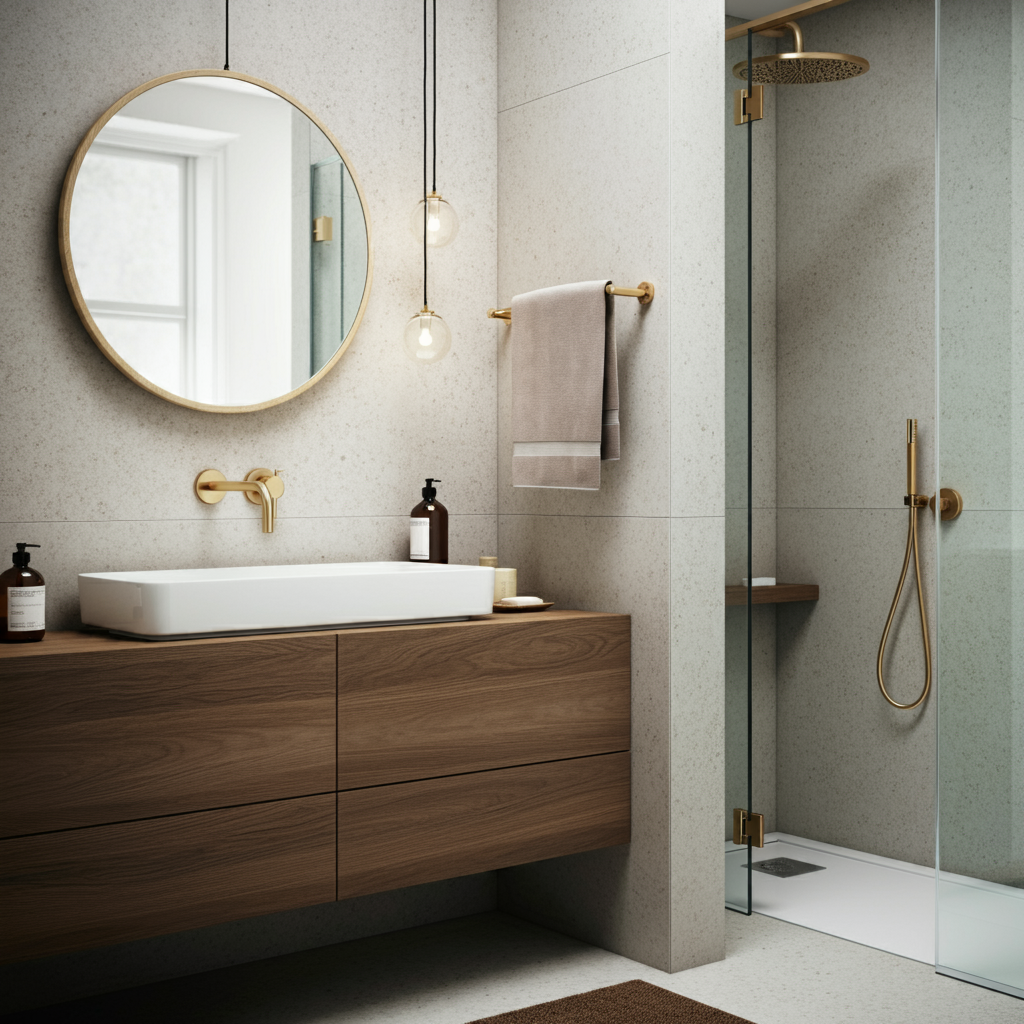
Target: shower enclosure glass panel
[749,468]
[980,338]
[738,140]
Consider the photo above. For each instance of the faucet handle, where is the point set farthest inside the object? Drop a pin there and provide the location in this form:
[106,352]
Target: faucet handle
[273,483]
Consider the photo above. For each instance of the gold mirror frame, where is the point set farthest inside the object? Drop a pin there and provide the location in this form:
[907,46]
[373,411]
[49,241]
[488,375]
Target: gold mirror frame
[67,264]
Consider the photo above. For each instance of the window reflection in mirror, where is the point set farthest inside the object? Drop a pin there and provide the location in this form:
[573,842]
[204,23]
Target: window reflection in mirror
[192,238]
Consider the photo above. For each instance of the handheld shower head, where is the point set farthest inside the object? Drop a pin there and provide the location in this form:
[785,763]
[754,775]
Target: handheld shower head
[911,456]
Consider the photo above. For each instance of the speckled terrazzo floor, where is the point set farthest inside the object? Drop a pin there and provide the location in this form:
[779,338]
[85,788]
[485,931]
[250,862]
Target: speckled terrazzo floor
[461,970]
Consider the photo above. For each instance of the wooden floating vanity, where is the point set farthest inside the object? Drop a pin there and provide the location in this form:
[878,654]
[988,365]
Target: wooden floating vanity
[153,787]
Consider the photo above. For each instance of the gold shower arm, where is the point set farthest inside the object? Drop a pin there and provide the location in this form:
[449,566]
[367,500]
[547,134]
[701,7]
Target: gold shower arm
[644,292]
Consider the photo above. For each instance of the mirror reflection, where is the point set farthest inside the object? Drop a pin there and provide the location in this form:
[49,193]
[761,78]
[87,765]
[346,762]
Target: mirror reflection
[219,241]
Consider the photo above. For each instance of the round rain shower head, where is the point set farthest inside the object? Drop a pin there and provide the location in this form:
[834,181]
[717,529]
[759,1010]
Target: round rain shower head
[800,68]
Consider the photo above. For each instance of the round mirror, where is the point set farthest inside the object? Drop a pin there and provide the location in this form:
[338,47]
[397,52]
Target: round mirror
[215,241]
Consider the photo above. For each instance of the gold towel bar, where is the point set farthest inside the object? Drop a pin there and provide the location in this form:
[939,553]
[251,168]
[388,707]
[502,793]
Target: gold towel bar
[645,293]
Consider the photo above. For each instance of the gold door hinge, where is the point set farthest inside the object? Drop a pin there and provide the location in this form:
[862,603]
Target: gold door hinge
[323,229]
[748,106]
[747,827]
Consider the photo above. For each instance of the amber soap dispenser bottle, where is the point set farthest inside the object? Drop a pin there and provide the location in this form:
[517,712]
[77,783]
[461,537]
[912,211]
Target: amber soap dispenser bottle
[428,528]
[22,601]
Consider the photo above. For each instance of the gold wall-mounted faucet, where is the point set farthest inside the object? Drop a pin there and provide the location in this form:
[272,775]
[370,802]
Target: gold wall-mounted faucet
[261,487]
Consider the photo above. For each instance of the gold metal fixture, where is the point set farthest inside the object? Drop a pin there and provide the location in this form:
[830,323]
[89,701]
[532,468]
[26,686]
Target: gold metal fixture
[261,487]
[71,275]
[801,68]
[914,501]
[748,106]
[747,827]
[323,229]
[765,24]
[644,292]
[951,504]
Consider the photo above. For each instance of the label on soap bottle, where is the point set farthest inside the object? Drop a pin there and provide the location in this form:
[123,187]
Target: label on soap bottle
[419,539]
[26,609]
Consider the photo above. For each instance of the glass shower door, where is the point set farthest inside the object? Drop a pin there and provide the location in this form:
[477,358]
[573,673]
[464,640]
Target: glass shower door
[749,476]
[980,338]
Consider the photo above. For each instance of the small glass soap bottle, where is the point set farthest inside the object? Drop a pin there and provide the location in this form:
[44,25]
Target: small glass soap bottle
[22,601]
[428,528]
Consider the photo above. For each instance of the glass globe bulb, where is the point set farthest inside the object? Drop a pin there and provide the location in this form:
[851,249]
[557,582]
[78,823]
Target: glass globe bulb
[427,338]
[442,224]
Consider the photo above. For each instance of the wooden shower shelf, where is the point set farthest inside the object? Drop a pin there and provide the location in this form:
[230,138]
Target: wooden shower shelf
[781,593]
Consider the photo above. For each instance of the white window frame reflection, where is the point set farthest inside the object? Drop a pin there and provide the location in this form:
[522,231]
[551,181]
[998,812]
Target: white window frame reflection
[201,310]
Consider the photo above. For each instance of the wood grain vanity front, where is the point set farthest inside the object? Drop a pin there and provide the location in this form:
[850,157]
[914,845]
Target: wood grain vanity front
[92,886]
[152,787]
[444,701]
[417,832]
[135,730]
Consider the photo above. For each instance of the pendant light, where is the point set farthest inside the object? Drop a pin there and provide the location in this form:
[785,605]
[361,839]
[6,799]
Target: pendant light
[441,225]
[427,338]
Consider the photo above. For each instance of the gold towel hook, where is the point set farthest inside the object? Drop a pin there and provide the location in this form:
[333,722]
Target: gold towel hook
[644,292]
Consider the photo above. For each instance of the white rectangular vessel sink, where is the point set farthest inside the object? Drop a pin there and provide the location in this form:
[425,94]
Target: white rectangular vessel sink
[171,604]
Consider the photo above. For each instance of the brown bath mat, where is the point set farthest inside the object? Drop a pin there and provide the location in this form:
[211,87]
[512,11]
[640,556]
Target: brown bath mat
[632,1002]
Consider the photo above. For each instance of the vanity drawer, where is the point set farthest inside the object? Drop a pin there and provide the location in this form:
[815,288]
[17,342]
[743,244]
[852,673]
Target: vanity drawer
[152,729]
[97,886]
[474,696]
[413,832]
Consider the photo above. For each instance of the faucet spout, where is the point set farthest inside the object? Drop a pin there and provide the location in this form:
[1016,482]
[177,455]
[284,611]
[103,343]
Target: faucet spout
[261,487]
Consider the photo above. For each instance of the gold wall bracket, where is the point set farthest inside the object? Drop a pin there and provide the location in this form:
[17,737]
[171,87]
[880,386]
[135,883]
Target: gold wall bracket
[747,826]
[323,229]
[261,487]
[951,503]
[748,106]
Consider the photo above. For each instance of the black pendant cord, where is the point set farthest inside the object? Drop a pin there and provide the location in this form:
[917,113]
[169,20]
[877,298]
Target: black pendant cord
[227,22]
[435,98]
[750,468]
[424,154]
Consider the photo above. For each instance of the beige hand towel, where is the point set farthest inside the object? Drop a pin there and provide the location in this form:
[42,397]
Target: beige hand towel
[565,386]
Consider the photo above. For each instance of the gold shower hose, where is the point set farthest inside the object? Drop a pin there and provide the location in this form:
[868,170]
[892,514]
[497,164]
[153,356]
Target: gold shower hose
[915,502]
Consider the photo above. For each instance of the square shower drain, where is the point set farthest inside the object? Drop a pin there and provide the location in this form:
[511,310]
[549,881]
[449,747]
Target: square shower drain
[785,867]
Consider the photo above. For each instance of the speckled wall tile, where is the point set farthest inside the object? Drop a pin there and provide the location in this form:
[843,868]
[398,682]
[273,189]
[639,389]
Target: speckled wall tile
[619,898]
[981,243]
[359,442]
[592,202]
[698,732]
[855,359]
[763,544]
[856,262]
[546,49]
[852,770]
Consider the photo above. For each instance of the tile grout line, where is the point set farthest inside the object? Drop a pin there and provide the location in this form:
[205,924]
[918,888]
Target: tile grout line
[587,81]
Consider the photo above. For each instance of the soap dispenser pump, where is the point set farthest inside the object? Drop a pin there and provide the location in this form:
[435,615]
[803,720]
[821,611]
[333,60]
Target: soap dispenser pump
[22,600]
[428,528]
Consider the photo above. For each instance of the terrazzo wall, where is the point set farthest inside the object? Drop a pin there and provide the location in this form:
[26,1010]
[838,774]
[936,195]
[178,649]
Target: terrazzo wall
[855,301]
[592,185]
[99,472]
